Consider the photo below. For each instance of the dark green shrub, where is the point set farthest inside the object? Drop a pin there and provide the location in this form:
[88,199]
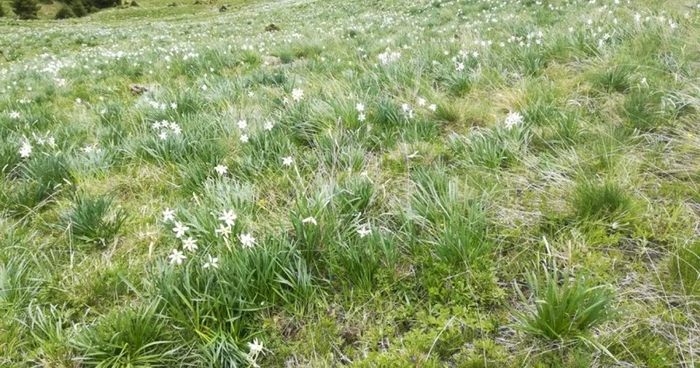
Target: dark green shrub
[78,8]
[26,9]
[65,12]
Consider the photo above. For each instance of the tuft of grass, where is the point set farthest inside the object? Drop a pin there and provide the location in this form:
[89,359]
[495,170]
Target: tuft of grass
[562,305]
[41,179]
[684,267]
[46,326]
[92,220]
[135,337]
[463,239]
[641,110]
[606,201]
[614,79]
[492,149]
[211,304]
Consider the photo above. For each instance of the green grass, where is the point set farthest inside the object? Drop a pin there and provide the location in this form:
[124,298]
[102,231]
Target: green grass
[565,306]
[92,220]
[365,186]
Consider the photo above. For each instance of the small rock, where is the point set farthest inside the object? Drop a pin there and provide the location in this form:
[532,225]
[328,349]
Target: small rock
[134,3]
[223,8]
[272,27]
[137,89]
[271,60]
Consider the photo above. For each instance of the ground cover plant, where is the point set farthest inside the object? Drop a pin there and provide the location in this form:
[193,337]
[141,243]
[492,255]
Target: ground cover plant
[304,183]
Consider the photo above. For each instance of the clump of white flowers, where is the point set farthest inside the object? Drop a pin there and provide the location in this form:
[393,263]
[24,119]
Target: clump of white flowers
[297,94]
[255,347]
[26,149]
[221,170]
[361,112]
[388,57]
[164,127]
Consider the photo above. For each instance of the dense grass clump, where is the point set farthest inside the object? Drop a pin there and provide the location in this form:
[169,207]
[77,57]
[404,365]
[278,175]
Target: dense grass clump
[349,183]
[136,336]
[605,201]
[93,219]
[26,9]
[614,79]
[218,306]
[65,12]
[40,180]
[563,305]
[684,267]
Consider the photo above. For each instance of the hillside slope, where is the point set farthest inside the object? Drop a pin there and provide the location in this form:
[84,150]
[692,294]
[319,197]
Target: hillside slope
[366,183]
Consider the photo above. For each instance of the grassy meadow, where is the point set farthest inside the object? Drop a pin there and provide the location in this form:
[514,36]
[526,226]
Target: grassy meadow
[394,183]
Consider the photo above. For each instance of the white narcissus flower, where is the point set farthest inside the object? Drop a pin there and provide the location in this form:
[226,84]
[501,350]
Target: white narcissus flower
[189,244]
[26,149]
[176,257]
[168,215]
[180,229]
[14,115]
[242,124]
[247,240]
[212,262]
[287,161]
[255,348]
[244,138]
[223,230]
[309,220]
[228,217]
[360,107]
[221,169]
[364,231]
[268,125]
[513,119]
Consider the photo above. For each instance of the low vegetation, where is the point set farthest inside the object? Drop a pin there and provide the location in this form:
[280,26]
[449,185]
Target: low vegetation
[460,183]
